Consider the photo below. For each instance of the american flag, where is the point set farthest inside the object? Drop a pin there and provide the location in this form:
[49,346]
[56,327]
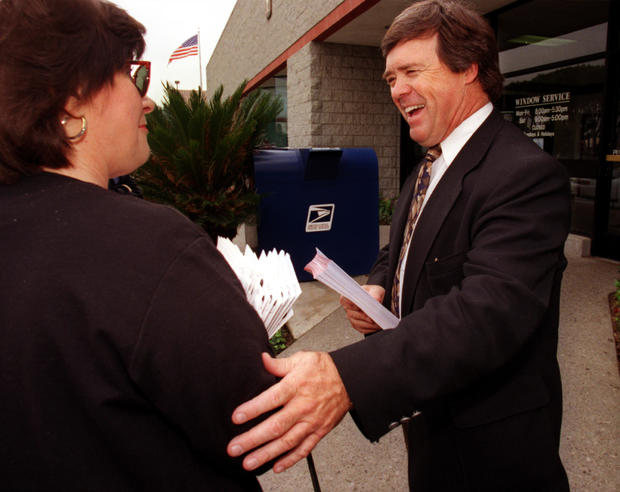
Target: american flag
[188,48]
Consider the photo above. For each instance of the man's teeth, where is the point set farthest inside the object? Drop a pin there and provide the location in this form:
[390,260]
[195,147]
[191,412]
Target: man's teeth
[410,109]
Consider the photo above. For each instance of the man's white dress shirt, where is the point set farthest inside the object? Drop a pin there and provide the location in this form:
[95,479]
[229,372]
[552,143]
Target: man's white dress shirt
[450,147]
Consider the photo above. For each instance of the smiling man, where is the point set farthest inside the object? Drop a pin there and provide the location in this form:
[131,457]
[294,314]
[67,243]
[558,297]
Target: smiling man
[473,270]
[433,99]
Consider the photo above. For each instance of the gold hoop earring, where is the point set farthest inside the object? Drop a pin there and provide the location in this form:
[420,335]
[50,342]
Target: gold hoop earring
[82,131]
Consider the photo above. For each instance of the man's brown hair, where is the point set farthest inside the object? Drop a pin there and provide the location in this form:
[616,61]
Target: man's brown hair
[464,38]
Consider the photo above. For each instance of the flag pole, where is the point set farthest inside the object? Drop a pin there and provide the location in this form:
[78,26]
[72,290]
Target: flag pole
[200,59]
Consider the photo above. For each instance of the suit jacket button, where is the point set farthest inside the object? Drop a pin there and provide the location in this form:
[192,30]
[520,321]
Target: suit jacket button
[393,425]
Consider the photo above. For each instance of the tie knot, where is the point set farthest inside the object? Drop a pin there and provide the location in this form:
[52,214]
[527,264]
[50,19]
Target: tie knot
[433,153]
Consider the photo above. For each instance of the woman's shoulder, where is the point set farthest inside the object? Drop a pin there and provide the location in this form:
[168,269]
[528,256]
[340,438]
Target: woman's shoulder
[143,221]
[107,215]
[129,207]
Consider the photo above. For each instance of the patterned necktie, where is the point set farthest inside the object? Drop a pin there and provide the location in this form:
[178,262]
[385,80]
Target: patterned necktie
[421,185]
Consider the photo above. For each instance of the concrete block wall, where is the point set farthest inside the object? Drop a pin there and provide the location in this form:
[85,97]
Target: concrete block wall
[337,98]
[299,89]
[250,41]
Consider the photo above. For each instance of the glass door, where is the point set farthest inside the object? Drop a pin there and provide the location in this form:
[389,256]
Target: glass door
[606,241]
[561,88]
[562,111]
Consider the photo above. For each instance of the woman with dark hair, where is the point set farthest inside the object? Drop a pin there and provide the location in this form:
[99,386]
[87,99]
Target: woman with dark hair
[125,339]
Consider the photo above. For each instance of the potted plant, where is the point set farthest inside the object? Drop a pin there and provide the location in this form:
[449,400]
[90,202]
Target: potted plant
[386,208]
[201,160]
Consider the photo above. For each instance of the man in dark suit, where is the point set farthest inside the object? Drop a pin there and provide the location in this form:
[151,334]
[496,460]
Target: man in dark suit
[473,269]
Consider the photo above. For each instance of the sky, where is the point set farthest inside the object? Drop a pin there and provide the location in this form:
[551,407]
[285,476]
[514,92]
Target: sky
[168,24]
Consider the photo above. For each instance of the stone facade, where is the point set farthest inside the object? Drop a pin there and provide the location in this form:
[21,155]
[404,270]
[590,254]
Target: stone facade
[250,41]
[337,98]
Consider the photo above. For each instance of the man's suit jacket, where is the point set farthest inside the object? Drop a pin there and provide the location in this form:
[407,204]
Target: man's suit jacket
[475,351]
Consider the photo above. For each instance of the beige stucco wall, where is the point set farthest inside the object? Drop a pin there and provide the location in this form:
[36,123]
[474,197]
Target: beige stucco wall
[337,98]
[250,42]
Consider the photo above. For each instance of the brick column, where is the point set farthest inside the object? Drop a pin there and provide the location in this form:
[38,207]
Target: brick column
[337,98]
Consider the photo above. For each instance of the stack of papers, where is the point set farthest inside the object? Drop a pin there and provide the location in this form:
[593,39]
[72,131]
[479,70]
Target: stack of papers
[269,281]
[327,272]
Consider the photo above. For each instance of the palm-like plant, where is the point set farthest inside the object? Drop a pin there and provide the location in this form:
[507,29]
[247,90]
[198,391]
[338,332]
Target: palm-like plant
[201,160]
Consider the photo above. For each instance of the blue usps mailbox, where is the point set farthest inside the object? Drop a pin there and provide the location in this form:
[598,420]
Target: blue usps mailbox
[319,198]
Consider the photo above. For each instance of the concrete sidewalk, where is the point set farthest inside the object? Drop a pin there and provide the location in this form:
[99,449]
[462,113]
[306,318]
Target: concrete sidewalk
[590,444]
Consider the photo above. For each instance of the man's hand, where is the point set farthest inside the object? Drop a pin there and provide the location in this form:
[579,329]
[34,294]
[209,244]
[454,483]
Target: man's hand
[358,318]
[314,401]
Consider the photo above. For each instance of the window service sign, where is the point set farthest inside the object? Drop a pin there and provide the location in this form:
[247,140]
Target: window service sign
[536,115]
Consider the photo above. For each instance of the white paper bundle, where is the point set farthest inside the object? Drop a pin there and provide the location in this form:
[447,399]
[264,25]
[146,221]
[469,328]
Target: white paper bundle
[269,281]
[329,273]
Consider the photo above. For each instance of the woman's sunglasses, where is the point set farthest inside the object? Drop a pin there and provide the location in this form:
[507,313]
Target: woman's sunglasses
[140,73]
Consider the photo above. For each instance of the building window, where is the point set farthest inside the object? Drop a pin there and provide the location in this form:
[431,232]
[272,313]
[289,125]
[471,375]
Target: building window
[277,132]
[554,64]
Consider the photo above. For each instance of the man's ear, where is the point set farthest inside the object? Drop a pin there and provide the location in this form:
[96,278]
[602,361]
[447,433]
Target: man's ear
[471,73]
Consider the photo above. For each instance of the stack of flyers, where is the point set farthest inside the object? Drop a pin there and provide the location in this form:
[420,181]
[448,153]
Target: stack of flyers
[329,273]
[269,281]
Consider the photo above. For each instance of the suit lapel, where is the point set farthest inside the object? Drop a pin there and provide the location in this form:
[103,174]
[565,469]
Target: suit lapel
[401,212]
[442,200]
[397,229]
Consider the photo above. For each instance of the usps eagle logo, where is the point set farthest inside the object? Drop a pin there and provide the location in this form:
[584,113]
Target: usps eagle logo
[320,217]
